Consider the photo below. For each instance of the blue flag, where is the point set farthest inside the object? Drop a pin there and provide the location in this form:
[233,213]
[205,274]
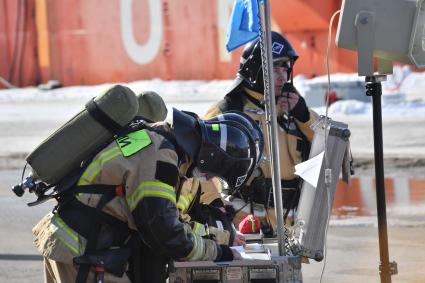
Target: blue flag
[244,25]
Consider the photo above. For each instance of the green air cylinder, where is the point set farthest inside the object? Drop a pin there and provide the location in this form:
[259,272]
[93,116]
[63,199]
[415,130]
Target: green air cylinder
[84,134]
[151,106]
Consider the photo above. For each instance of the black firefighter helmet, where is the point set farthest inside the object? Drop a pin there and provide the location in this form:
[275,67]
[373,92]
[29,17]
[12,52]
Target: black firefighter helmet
[222,148]
[250,69]
[252,126]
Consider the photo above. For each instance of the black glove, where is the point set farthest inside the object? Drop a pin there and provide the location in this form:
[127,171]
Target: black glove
[225,254]
[217,203]
[230,211]
[300,111]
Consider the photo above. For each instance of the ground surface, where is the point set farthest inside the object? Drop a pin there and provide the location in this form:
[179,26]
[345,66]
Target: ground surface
[353,253]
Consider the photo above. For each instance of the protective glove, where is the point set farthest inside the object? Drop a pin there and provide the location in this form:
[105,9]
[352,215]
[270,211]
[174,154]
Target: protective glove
[296,103]
[225,253]
[300,110]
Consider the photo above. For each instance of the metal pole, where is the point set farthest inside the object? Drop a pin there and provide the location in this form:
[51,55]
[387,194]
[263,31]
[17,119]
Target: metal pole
[374,89]
[271,118]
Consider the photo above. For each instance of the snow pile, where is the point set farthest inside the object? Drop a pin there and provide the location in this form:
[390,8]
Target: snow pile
[389,109]
[169,90]
[403,92]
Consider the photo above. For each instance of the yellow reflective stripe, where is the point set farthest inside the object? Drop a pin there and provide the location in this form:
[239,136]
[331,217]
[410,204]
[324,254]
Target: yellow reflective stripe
[65,234]
[151,189]
[198,250]
[183,202]
[190,197]
[193,251]
[180,206]
[196,228]
[150,193]
[67,244]
[202,251]
[65,227]
[96,166]
[199,229]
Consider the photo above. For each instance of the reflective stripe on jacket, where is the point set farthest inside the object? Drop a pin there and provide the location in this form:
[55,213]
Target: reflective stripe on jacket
[149,176]
[66,235]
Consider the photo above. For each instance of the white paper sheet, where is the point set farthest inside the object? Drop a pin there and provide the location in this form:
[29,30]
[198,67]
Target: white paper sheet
[252,251]
[241,250]
[310,170]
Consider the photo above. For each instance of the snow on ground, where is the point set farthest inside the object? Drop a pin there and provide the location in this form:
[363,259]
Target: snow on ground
[169,90]
[389,109]
[403,93]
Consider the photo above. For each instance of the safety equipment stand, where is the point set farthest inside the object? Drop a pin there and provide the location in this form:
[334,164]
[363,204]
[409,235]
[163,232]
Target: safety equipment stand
[374,89]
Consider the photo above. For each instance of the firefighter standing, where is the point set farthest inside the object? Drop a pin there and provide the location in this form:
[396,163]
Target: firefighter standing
[294,119]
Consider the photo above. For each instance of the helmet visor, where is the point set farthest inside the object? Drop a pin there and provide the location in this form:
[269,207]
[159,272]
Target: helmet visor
[215,161]
[220,139]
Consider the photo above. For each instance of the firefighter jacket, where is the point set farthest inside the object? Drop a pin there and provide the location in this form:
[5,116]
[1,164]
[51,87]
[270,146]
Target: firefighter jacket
[146,165]
[294,136]
[188,200]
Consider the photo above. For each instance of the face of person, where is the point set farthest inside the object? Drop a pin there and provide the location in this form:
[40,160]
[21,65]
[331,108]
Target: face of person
[280,74]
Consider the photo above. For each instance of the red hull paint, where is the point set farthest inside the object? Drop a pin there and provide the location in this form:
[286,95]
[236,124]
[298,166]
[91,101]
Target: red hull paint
[96,41]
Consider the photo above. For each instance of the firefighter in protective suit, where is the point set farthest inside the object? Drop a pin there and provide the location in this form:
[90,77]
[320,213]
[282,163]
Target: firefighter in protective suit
[203,206]
[120,222]
[294,120]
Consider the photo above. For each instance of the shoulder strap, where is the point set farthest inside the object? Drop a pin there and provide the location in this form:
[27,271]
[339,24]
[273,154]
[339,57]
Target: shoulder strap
[101,117]
[97,218]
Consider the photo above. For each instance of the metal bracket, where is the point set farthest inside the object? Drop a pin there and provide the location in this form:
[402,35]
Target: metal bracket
[365,24]
[376,79]
[392,268]
[373,85]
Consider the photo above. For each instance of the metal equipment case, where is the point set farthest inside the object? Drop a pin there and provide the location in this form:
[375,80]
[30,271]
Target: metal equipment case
[280,269]
[315,205]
